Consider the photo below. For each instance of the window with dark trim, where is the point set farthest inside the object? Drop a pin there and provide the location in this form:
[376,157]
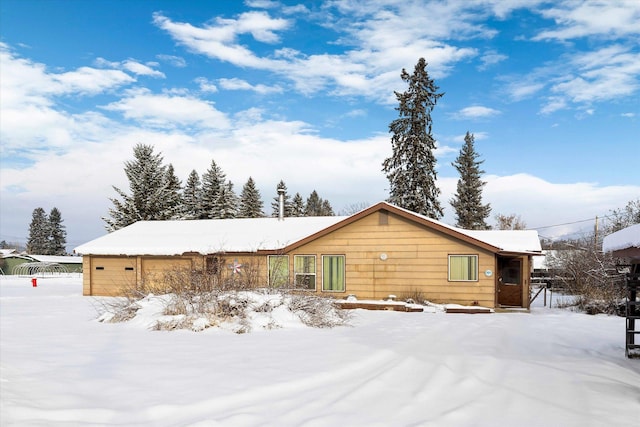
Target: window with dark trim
[463,268]
[278,270]
[304,271]
[333,273]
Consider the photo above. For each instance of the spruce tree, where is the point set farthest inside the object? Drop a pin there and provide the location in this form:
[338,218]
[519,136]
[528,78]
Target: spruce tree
[313,206]
[250,201]
[213,181]
[467,202]
[38,242]
[57,234]
[191,197]
[148,196]
[326,209]
[226,205]
[173,202]
[275,204]
[411,170]
[297,206]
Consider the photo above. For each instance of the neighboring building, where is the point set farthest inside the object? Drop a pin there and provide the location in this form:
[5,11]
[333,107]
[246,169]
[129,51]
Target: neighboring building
[625,246]
[376,252]
[10,260]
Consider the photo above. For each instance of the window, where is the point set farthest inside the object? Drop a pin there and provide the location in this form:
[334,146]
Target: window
[278,270]
[463,268]
[128,268]
[213,265]
[304,269]
[333,273]
[99,268]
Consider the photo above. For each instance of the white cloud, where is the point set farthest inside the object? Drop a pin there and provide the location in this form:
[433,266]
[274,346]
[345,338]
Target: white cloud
[206,85]
[141,69]
[132,66]
[169,111]
[384,45]
[176,61]
[239,84]
[603,74]
[592,18]
[476,112]
[490,58]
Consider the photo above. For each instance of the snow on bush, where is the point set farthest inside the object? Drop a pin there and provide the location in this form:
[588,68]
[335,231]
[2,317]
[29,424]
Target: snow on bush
[238,311]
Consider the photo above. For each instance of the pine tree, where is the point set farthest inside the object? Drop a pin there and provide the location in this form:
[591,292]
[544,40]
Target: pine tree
[250,201]
[326,209]
[173,203]
[313,206]
[297,206]
[191,197]
[148,186]
[411,170]
[467,202]
[275,204]
[227,202]
[213,181]
[38,242]
[57,244]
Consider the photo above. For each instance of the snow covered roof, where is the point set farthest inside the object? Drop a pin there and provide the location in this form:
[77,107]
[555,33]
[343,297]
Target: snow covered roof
[626,238]
[522,241]
[58,259]
[508,240]
[254,234]
[206,236]
[5,252]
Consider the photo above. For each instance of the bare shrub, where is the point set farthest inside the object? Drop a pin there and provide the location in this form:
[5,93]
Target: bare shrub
[198,299]
[415,296]
[591,277]
[318,312]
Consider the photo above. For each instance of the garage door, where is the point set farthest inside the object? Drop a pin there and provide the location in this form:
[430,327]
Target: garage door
[112,275]
[157,271]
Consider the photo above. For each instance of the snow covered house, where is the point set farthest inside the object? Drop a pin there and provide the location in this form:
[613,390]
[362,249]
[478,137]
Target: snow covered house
[376,252]
[624,243]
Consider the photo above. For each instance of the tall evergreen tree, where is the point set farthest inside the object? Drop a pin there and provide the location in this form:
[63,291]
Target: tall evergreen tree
[467,202]
[326,209]
[227,203]
[57,234]
[173,202]
[213,180]
[297,206]
[192,194]
[313,206]
[250,201]
[275,204]
[148,196]
[411,170]
[38,242]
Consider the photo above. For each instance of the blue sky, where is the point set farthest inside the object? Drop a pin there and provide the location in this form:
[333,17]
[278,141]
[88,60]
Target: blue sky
[303,92]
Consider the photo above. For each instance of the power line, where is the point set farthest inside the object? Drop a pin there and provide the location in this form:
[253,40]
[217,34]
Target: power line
[573,222]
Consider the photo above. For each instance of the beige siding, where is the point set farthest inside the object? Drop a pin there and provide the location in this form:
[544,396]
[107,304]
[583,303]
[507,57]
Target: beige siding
[416,262]
[155,269]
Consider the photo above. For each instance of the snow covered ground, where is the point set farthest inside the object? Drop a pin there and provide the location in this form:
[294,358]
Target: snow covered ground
[59,366]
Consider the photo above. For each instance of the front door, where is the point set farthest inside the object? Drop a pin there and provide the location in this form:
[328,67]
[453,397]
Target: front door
[510,282]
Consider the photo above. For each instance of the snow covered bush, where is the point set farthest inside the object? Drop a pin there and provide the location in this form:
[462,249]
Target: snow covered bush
[195,300]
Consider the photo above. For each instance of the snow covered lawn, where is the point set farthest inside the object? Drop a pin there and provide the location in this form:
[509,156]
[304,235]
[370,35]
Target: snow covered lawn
[60,366]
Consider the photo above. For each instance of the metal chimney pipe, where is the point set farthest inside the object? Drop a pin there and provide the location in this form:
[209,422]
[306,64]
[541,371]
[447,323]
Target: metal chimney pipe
[281,204]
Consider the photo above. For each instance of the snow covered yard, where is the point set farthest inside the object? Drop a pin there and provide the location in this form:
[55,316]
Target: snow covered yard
[60,366]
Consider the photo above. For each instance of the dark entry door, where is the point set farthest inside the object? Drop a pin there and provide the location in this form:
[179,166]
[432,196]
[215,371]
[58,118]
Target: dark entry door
[510,282]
